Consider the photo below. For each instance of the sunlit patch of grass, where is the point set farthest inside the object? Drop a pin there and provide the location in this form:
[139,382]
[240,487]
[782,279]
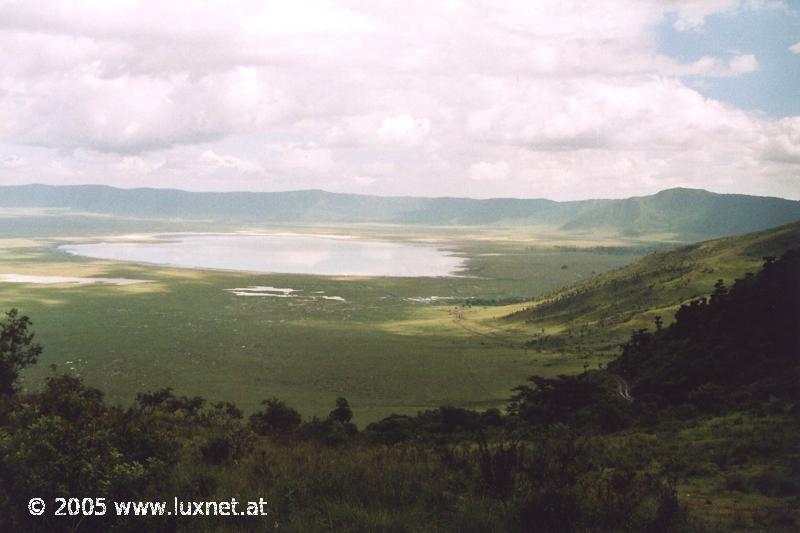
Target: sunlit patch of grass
[10,244]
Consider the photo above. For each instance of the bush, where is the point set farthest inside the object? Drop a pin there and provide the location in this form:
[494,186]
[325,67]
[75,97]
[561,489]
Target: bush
[393,429]
[342,412]
[276,417]
[217,450]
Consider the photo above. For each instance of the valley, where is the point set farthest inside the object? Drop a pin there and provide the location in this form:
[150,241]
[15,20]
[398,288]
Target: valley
[388,344]
[430,267]
[512,301]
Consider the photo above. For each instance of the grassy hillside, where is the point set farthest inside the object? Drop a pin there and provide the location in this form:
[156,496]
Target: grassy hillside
[690,213]
[603,310]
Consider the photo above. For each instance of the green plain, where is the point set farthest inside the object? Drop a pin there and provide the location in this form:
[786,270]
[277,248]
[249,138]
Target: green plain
[383,352]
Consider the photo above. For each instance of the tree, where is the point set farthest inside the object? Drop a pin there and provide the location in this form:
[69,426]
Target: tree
[342,412]
[17,350]
[66,440]
[277,417]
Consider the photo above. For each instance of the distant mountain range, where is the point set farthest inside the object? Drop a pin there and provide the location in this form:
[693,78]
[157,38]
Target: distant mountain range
[685,214]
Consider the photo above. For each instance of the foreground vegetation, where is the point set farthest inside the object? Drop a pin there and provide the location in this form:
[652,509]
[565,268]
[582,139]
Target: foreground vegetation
[703,439]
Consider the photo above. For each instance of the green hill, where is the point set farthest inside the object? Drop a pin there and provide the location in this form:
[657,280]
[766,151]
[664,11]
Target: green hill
[691,214]
[605,308]
[311,206]
[680,214]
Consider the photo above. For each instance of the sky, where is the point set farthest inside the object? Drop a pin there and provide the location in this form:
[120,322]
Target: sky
[561,99]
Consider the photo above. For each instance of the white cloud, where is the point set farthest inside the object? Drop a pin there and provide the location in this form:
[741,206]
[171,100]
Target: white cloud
[403,130]
[138,113]
[306,159]
[795,48]
[709,67]
[11,162]
[691,14]
[743,64]
[308,17]
[216,161]
[363,180]
[380,168]
[783,145]
[573,96]
[485,171]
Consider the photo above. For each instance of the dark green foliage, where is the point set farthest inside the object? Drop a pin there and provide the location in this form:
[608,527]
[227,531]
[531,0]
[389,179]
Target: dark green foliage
[585,400]
[277,417]
[393,429]
[739,347]
[495,301]
[329,431]
[333,431]
[342,412]
[491,418]
[66,441]
[500,466]
[772,482]
[217,450]
[444,425]
[228,410]
[17,350]
[165,401]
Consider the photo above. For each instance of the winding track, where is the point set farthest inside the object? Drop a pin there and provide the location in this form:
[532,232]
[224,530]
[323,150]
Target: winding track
[623,389]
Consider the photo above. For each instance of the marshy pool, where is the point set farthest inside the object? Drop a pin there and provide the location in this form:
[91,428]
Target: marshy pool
[280,253]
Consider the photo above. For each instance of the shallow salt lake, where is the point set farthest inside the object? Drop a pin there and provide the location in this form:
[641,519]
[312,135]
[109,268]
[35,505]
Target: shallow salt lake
[60,280]
[295,254]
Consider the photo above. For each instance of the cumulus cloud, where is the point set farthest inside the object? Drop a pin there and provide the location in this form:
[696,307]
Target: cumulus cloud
[714,66]
[783,145]
[795,48]
[575,97]
[691,14]
[135,113]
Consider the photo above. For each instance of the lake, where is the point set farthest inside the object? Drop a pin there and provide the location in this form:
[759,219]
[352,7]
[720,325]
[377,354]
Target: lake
[284,253]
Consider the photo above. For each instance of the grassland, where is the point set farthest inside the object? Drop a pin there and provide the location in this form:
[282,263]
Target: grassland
[382,348]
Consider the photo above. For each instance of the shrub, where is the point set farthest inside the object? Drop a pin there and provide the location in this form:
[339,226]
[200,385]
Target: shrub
[276,417]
